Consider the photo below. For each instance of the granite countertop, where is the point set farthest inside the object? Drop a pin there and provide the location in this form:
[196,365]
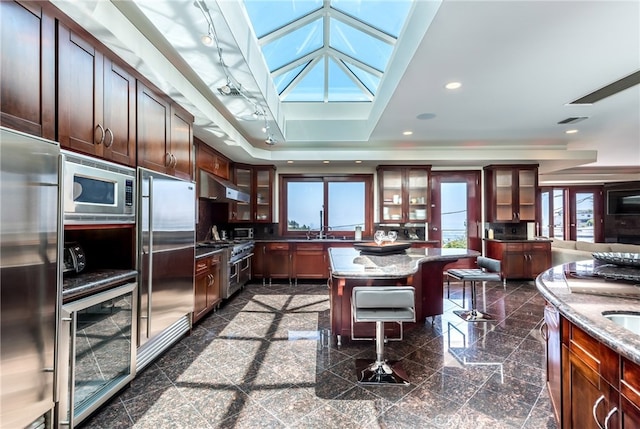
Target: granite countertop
[89,283]
[570,287]
[203,252]
[333,240]
[523,240]
[348,262]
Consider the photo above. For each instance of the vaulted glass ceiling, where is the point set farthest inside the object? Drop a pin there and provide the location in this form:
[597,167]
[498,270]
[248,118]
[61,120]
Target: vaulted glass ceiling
[327,51]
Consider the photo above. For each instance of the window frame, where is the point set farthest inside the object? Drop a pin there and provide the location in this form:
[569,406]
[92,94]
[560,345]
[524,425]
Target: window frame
[285,179]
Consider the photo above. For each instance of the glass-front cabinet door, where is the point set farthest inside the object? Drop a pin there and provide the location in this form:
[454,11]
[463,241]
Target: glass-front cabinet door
[241,211]
[257,181]
[403,194]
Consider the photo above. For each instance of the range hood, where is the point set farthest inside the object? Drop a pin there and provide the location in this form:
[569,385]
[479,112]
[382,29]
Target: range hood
[220,190]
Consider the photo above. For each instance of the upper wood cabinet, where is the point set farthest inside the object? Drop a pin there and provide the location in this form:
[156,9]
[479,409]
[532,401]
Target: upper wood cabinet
[511,193]
[209,160]
[165,134]
[27,80]
[96,101]
[257,181]
[403,194]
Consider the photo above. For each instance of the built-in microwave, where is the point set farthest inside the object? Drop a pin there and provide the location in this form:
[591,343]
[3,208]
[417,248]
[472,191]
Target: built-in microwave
[95,191]
[243,233]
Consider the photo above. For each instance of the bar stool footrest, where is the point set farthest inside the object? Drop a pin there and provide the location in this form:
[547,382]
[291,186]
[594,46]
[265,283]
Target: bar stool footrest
[375,373]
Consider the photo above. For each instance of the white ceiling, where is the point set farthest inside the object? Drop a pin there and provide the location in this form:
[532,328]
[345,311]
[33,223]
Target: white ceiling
[519,62]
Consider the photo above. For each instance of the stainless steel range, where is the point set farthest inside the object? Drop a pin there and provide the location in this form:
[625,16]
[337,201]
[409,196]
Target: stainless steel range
[239,267]
[236,257]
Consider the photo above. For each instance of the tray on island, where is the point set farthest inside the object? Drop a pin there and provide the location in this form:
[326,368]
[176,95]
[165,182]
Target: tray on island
[383,249]
[618,258]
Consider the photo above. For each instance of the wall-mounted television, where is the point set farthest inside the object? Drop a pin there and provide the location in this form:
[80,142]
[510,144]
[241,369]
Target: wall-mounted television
[623,202]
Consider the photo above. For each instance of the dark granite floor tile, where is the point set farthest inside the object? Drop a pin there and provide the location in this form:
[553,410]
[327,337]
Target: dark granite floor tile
[528,358]
[154,404]
[524,372]
[541,415]
[447,385]
[519,390]
[327,417]
[289,405]
[113,415]
[361,405]
[507,409]
[253,415]
[472,418]
[150,379]
[428,406]
[329,385]
[396,418]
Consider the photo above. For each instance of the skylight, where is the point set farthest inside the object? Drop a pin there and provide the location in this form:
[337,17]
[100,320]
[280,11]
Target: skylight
[327,51]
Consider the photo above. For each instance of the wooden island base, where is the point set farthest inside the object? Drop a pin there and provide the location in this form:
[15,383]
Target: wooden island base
[421,268]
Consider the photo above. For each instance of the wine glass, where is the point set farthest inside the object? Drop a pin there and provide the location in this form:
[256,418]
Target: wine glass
[379,237]
[393,236]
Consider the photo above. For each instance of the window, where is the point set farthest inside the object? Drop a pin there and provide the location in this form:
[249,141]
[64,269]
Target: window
[334,205]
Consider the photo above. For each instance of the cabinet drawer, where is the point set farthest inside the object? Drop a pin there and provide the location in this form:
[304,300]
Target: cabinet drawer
[594,354]
[630,380]
[311,247]
[514,247]
[202,265]
[277,246]
[540,246]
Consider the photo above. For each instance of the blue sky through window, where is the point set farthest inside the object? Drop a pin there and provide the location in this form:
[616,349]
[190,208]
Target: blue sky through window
[361,36]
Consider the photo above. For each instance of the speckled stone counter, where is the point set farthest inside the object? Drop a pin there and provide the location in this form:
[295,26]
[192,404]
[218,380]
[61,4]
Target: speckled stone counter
[85,284]
[350,263]
[585,309]
[420,268]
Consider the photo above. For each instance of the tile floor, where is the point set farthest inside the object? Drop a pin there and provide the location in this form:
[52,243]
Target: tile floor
[258,362]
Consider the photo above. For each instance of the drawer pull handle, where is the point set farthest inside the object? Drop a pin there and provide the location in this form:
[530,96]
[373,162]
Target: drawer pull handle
[595,409]
[611,413]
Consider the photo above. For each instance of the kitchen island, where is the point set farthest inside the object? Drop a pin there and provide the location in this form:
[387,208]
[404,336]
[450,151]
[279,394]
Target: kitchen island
[593,363]
[421,268]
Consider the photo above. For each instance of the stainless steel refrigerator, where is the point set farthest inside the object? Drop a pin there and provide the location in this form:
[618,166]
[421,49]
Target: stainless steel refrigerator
[166,259]
[29,221]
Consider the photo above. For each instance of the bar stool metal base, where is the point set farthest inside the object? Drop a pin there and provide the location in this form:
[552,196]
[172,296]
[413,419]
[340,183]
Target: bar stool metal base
[385,373]
[473,315]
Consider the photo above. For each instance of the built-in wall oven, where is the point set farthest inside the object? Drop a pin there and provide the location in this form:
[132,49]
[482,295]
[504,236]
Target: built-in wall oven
[96,347]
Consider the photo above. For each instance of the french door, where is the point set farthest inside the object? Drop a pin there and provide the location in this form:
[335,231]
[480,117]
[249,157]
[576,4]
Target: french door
[456,211]
[572,213]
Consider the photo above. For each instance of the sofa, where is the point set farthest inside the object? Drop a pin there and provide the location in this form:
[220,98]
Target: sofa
[563,251]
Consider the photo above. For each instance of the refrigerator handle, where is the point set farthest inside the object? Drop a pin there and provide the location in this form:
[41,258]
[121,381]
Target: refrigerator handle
[149,276]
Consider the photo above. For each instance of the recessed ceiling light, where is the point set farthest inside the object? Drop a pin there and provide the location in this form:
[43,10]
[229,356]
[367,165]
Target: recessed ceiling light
[453,85]
[358,162]
[289,162]
[207,40]
[571,131]
[325,162]
[407,133]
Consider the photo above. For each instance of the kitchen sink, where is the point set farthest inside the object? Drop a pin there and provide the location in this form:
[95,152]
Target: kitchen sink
[629,321]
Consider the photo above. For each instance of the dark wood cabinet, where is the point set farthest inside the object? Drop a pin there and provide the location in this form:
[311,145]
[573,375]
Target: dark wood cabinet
[553,342]
[598,387]
[100,122]
[257,181]
[181,139]
[403,193]
[520,260]
[278,260]
[209,160]
[310,261]
[27,81]
[259,262]
[511,193]
[165,134]
[206,286]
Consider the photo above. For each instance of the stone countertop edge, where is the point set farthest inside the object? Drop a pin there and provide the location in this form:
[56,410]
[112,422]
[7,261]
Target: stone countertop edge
[204,252]
[585,311]
[398,265]
[84,284]
[522,240]
[333,240]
